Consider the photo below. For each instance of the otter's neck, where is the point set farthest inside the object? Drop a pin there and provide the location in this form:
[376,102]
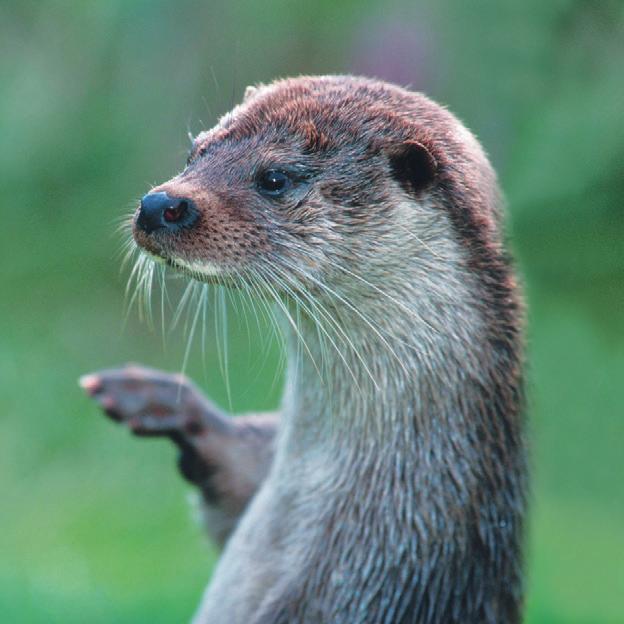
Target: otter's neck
[400,364]
[407,432]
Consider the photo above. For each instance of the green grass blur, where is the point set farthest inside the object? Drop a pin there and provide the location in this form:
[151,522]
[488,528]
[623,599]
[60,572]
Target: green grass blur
[95,102]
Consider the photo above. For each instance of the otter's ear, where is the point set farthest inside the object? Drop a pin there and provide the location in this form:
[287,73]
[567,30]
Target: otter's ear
[413,165]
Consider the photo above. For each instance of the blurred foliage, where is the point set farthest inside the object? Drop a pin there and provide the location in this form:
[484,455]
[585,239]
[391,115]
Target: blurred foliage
[95,102]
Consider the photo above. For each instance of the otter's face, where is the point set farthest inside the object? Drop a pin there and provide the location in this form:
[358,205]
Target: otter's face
[302,177]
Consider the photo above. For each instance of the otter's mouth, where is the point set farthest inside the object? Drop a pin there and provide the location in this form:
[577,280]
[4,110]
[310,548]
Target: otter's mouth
[200,271]
[159,252]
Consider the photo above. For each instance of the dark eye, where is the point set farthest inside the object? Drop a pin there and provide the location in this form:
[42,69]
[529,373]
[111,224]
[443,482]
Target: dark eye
[274,182]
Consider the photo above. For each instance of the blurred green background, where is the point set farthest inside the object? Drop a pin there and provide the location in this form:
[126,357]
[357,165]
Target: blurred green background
[95,102]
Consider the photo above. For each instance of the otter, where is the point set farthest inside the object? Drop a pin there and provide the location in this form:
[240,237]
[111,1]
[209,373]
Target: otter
[392,485]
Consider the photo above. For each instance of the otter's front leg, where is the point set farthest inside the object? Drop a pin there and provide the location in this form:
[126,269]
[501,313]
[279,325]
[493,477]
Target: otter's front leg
[225,458]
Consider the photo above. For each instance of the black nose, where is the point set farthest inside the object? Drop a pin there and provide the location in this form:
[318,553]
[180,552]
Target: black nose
[158,210]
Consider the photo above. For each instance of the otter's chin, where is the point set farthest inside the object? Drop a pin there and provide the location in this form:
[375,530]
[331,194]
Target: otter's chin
[201,271]
[158,259]
[203,268]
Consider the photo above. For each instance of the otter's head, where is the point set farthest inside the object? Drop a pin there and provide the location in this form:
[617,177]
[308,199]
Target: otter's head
[312,175]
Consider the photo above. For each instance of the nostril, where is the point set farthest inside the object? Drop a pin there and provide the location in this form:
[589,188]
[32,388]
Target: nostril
[161,211]
[176,212]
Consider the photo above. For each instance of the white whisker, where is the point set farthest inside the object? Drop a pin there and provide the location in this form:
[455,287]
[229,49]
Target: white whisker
[353,308]
[313,315]
[224,329]
[189,340]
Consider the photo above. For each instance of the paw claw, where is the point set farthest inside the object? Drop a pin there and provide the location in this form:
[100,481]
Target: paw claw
[91,383]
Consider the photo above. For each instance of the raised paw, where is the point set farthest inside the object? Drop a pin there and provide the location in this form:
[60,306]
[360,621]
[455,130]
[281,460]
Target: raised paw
[154,403]
[225,458]
[151,402]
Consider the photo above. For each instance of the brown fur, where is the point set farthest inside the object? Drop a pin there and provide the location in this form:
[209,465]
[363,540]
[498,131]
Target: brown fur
[397,491]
